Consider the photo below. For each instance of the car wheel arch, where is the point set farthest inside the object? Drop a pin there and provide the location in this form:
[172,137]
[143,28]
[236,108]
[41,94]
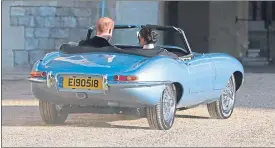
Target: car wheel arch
[238,79]
[179,90]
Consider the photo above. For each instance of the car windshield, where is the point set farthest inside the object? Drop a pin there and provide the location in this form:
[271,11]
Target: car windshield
[128,36]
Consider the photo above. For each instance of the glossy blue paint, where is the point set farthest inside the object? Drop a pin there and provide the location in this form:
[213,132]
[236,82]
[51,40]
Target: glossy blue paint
[225,65]
[99,63]
[202,78]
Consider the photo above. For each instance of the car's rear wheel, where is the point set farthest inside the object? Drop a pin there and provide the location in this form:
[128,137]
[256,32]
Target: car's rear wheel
[223,108]
[162,116]
[52,113]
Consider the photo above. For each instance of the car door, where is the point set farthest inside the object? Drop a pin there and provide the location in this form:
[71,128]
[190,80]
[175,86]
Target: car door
[200,68]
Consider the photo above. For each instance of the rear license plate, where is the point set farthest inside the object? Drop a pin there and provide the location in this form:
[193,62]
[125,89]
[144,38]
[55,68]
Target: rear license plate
[89,83]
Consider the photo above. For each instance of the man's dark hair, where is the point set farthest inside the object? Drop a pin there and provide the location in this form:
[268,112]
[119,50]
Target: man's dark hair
[150,36]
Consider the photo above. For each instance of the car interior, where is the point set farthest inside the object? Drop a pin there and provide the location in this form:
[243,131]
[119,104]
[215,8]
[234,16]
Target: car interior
[174,49]
[76,49]
[73,48]
[81,47]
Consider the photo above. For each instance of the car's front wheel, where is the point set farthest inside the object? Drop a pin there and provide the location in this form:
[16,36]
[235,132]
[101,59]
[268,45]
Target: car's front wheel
[52,113]
[162,116]
[223,108]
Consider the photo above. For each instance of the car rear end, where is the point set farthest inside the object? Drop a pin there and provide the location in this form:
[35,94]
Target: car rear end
[94,79]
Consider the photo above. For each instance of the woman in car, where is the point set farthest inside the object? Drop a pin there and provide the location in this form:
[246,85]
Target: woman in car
[148,38]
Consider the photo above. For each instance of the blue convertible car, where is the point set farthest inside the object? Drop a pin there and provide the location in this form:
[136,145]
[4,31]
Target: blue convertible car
[124,79]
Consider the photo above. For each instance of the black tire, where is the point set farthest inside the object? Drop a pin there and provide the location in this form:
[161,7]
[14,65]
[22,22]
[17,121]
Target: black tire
[155,115]
[50,114]
[216,109]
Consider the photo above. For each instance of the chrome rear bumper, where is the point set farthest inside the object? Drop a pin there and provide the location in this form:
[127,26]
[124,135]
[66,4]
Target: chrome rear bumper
[118,94]
[118,84]
[37,80]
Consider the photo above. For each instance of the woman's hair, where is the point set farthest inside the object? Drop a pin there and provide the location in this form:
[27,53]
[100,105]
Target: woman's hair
[150,36]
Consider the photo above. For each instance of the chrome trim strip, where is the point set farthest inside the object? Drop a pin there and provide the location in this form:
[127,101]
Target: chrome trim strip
[106,84]
[82,91]
[50,80]
[37,80]
[122,84]
[185,39]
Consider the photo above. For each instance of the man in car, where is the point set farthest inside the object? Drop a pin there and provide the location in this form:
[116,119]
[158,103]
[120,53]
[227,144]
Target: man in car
[104,32]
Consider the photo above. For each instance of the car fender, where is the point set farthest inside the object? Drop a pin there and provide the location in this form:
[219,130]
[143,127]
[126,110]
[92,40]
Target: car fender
[225,65]
[164,68]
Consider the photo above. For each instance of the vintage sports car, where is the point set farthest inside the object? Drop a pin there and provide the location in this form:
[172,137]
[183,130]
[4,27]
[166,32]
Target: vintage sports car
[125,79]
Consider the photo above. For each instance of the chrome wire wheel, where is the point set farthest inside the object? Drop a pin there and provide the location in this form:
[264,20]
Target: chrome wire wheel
[223,108]
[228,98]
[162,116]
[168,104]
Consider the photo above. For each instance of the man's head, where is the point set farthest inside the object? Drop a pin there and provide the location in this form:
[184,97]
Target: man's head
[104,27]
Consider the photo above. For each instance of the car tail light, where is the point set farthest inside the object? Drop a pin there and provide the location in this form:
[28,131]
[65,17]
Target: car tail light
[125,78]
[38,74]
